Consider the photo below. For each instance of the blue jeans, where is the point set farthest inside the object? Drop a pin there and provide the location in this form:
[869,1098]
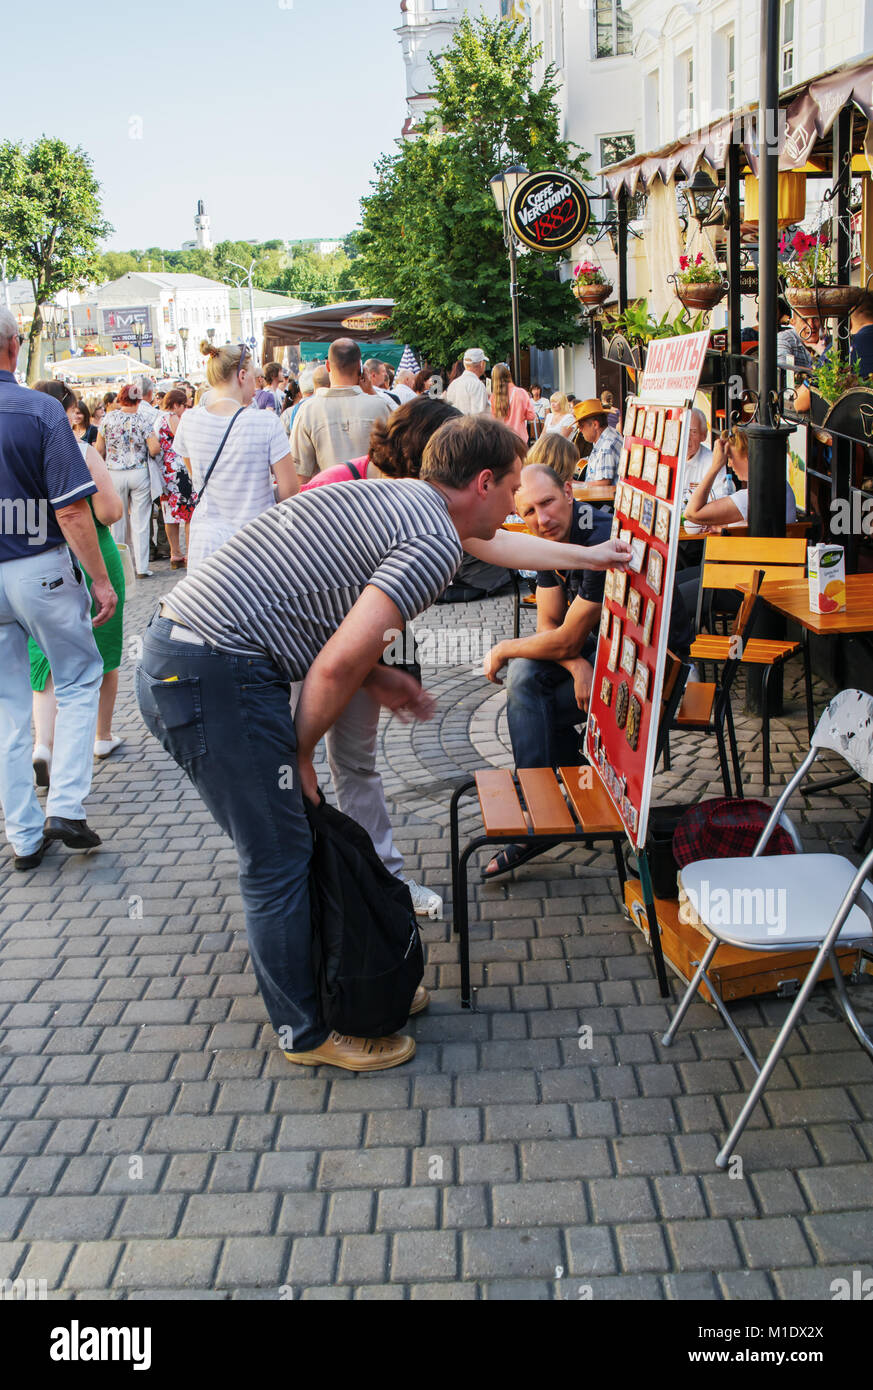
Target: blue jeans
[41,597]
[227,722]
[542,714]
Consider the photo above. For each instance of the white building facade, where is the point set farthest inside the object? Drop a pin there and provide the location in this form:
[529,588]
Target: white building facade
[168,315]
[426,28]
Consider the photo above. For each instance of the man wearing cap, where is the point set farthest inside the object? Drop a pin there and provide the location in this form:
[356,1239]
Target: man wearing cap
[467,392]
[594,426]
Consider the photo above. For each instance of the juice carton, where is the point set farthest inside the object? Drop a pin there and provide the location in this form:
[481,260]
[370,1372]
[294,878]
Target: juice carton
[827,578]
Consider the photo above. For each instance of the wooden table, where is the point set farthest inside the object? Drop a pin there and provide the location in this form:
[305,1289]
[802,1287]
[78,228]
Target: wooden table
[791,597]
[593,492]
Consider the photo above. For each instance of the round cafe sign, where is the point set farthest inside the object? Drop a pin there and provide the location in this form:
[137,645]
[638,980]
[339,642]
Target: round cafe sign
[549,212]
[365,323]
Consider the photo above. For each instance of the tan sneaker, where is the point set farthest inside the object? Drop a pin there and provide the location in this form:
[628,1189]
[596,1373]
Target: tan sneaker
[420,1001]
[358,1054]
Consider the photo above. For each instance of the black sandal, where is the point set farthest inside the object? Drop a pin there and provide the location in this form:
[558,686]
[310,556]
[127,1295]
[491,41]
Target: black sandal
[512,857]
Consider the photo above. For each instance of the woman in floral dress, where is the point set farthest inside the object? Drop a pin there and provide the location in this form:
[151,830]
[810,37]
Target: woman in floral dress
[175,504]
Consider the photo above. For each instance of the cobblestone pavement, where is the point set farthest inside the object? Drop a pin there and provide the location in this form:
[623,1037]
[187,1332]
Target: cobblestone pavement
[154,1142]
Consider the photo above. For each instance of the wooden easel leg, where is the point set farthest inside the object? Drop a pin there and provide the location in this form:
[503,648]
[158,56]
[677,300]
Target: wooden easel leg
[652,916]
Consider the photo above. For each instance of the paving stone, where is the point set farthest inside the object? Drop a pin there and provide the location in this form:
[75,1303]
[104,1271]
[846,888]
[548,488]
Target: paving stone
[313,1260]
[152,1214]
[93,1264]
[839,1236]
[487,1162]
[772,1243]
[539,1204]
[641,1248]
[342,1168]
[565,1158]
[150,1264]
[70,1218]
[511,1253]
[836,1188]
[703,1245]
[246,1213]
[301,1213]
[350,1212]
[286,1170]
[255,1261]
[590,1251]
[401,1209]
[621,1199]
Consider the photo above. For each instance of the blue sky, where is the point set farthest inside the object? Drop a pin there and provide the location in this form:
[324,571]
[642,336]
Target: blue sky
[272,111]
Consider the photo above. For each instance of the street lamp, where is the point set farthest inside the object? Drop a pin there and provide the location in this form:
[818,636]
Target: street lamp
[705,200]
[248,273]
[502,188]
[183,337]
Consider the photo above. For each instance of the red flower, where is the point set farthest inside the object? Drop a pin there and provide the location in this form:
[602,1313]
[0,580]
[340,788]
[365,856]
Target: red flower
[683,262]
[699,258]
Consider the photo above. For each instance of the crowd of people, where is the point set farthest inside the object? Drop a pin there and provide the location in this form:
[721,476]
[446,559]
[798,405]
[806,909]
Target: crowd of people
[295,585]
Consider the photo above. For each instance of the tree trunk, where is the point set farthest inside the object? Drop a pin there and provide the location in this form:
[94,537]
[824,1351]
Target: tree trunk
[33,346]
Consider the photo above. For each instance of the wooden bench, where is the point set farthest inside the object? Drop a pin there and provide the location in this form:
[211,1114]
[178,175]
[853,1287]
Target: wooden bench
[567,806]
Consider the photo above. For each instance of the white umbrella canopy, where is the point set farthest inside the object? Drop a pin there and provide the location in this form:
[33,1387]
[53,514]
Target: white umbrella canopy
[117,367]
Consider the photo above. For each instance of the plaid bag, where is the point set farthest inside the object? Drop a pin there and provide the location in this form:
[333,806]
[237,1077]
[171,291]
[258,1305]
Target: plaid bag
[726,828]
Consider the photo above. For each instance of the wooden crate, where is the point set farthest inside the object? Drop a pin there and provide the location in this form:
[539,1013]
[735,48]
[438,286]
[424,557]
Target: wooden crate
[737,974]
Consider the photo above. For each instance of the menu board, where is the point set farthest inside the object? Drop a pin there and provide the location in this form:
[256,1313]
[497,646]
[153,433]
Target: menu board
[625,699]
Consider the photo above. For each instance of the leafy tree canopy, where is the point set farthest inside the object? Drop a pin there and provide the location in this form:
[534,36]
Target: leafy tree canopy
[431,236]
[51,221]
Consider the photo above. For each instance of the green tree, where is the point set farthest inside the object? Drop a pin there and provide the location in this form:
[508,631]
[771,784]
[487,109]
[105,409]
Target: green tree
[316,278]
[51,220]
[431,237]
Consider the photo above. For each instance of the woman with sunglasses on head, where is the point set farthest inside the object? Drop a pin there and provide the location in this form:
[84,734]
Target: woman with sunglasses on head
[248,447]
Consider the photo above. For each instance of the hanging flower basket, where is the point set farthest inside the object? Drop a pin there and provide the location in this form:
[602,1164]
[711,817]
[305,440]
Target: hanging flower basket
[592,294]
[823,301]
[701,296]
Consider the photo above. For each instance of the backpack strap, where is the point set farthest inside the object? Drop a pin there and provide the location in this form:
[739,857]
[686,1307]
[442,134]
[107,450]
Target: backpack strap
[233,421]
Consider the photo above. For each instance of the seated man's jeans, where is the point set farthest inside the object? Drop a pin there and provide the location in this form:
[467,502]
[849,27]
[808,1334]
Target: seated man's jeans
[542,713]
[226,720]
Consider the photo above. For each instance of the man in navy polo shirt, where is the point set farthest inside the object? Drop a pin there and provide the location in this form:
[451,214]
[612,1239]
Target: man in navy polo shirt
[44,483]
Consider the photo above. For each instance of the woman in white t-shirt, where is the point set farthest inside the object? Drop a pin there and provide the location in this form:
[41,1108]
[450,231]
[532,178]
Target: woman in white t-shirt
[731,451]
[560,419]
[241,485]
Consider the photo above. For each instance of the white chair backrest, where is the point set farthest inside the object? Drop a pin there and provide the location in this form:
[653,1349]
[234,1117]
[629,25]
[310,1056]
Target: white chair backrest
[846,727]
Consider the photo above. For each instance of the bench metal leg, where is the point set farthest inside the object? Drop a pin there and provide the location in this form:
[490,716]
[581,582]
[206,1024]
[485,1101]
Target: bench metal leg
[454,834]
[722,757]
[765,726]
[807,682]
[735,752]
[461,918]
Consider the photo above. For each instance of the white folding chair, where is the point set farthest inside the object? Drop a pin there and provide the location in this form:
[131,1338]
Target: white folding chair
[820,900]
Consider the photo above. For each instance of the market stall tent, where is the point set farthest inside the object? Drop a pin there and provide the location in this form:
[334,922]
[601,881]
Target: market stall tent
[116,367]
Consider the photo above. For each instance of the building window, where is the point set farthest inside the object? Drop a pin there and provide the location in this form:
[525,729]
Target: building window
[689,88]
[786,48]
[613,29]
[731,69]
[613,149]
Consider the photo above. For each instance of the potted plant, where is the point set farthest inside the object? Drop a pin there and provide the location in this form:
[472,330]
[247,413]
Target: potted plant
[811,281]
[699,283]
[590,285]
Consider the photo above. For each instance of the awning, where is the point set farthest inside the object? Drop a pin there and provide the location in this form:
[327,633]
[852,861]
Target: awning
[807,114]
[101,368]
[364,320]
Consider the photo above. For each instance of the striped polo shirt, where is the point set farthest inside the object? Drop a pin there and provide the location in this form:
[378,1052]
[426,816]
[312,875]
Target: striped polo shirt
[282,586]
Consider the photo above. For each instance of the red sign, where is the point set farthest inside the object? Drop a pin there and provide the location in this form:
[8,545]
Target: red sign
[673,367]
[632,646]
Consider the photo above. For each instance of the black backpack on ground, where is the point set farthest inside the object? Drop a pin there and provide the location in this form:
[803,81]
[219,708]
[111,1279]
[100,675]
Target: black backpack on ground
[366,950]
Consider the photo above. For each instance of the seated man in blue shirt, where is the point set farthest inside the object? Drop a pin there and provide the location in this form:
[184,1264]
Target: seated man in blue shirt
[550,673]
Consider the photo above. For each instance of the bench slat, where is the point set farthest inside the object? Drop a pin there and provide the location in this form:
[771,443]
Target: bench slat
[593,807]
[499,803]
[696,707]
[545,803]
